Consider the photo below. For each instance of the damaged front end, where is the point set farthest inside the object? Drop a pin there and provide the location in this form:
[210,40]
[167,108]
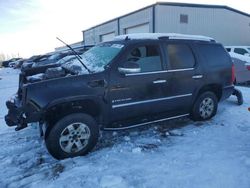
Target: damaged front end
[21,113]
[23,110]
[16,114]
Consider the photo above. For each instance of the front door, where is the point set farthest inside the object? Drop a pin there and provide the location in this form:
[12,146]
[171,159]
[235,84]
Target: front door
[137,94]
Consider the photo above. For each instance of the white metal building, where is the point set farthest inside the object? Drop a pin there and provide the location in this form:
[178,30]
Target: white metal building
[227,25]
[74,46]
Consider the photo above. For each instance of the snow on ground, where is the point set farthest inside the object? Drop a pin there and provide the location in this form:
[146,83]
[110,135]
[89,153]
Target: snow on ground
[176,154]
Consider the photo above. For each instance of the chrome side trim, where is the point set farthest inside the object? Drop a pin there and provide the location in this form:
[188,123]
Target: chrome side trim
[180,70]
[231,86]
[197,76]
[146,123]
[159,81]
[129,70]
[151,100]
[157,72]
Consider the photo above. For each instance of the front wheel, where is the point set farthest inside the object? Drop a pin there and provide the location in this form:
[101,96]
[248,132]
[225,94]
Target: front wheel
[205,107]
[74,135]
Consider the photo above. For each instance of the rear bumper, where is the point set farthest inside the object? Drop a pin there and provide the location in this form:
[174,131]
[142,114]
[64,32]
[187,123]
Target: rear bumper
[227,92]
[231,90]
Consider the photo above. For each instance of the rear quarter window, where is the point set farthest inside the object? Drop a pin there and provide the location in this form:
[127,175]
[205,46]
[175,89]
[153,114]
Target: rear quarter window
[214,55]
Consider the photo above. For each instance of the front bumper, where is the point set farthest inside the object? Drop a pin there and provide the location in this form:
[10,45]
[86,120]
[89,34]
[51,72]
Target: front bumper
[16,114]
[20,115]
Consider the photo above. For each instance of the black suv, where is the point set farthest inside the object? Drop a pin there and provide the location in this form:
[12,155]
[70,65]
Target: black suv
[133,81]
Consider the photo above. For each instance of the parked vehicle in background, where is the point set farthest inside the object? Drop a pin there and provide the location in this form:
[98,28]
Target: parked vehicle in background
[7,62]
[241,50]
[50,59]
[132,81]
[242,71]
[17,64]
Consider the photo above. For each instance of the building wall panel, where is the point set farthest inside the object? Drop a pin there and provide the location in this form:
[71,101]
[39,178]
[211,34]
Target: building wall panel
[228,27]
[138,18]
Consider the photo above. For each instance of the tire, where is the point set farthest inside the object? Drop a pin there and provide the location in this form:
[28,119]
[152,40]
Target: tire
[205,107]
[73,135]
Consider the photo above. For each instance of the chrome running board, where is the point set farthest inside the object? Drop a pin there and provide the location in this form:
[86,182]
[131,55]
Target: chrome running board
[146,123]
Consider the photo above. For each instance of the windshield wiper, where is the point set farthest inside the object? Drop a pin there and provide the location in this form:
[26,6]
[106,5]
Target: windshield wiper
[77,55]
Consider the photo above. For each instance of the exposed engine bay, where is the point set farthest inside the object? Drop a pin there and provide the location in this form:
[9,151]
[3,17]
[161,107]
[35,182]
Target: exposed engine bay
[67,69]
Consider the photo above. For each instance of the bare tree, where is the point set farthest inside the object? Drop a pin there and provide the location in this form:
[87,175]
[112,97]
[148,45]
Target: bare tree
[2,57]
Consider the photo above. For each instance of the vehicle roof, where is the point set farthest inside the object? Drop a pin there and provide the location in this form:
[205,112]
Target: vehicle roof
[157,36]
[237,46]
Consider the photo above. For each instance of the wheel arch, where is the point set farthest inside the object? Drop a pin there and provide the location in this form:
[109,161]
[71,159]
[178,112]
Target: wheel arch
[60,108]
[215,88]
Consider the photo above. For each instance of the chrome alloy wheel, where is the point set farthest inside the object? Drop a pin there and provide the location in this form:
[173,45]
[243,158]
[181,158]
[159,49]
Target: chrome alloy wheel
[74,137]
[206,108]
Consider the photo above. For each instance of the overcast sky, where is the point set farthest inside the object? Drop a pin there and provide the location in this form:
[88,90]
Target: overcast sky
[30,27]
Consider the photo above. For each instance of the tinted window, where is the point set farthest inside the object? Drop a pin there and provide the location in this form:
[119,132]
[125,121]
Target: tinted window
[147,57]
[228,49]
[214,55]
[240,51]
[180,56]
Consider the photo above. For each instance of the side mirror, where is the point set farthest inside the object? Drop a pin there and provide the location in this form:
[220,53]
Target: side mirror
[247,54]
[129,67]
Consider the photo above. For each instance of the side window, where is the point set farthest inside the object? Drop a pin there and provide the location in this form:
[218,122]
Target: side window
[180,56]
[240,51]
[147,57]
[228,49]
[214,55]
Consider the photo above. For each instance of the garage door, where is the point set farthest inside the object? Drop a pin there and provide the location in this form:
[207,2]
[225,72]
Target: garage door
[138,29]
[107,37]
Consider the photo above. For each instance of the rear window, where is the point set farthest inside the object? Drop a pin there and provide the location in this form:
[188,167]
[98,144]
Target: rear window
[214,54]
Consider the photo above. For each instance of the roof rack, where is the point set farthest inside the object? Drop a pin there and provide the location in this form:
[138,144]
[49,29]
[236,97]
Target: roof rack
[155,36]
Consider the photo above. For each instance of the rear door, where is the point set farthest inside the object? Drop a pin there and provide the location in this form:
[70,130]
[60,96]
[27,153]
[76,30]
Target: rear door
[185,75]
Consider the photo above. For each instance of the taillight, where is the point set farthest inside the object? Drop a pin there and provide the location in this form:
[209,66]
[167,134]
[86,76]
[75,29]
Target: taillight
[248,66]
[233,74]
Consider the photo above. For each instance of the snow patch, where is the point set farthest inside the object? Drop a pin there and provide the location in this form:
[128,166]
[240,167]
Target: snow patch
[127,138]
[111,181]
[155,36]
[36,77]
[176,133]
[136,150]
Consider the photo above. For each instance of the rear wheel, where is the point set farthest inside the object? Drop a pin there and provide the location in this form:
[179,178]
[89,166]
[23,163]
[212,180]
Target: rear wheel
[73,135]
[205,107]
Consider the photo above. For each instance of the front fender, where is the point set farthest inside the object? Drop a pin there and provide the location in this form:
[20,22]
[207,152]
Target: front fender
[56,102]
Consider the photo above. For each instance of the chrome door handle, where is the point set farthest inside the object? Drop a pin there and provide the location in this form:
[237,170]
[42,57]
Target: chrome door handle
[197,76]
[159,81]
